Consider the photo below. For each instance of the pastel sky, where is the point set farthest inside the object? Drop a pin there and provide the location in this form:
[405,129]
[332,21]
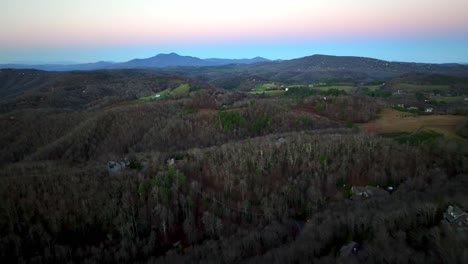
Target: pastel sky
[120,30]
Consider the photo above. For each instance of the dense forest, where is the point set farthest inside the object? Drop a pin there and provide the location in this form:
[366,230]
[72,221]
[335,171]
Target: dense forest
[216,176]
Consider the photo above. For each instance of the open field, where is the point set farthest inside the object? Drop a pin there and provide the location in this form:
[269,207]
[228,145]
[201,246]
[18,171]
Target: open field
[371,88]
[391,120]
[181,89]
[449,99]
[274,90]
[266,86]
[337,87]
[294,86]
[269,92]
[407,86]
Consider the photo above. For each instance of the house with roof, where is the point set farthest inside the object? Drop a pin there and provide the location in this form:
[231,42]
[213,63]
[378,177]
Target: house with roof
[456,216]
[367,192]
[116,166]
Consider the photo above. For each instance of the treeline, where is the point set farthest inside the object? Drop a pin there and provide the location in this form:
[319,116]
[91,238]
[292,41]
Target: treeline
[25,89]
[262,199]
[343,108]
[201,119]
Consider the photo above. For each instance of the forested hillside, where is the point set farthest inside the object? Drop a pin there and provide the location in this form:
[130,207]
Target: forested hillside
[218,176]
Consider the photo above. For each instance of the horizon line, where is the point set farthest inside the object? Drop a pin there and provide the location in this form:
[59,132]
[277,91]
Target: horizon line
[69,63]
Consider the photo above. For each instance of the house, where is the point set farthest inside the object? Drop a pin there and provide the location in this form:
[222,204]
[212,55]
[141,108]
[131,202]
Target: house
[171,162]
[116,166]
[456,216]
[429,110]
[280,141]
[367,192]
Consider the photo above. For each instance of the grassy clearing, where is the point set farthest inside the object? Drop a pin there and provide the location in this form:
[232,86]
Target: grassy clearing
[372,88]
[294,89]
[269,92]
[336,87]
[295,86]
[428,136]
[391,121]
[266,86]
[181,89]
[143,100]
[407,86]
[449,99]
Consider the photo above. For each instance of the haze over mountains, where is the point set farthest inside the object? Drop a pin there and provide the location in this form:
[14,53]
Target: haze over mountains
[310,67]
[158,61]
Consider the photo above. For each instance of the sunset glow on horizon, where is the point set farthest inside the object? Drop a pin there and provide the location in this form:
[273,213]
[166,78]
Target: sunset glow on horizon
[32,30]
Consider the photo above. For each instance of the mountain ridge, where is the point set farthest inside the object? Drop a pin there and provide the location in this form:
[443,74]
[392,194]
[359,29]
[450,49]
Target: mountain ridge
[308,68]
[161,60]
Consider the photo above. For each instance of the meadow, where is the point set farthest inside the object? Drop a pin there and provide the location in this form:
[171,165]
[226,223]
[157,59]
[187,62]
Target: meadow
[407,86]
[391,120]
[181,89]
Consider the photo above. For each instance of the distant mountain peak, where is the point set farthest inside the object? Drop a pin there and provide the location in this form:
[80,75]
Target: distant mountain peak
[172,54]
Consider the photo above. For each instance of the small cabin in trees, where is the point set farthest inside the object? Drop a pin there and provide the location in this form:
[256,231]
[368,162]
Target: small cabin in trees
[367,192]
[456,216]
[116,166]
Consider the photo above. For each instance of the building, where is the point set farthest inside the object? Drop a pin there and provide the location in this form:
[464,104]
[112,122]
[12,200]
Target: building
[114,167]
[456,216]
[429,110]
[367,192]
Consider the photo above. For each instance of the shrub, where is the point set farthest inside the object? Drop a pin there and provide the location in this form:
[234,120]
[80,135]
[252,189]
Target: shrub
[230,120]
[260,123]
[135,165]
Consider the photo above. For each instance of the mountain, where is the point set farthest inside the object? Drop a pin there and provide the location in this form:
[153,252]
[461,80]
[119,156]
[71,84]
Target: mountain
[243,73]
[163,60]
[350,64]
[174,60]
[158,61]
[314,68]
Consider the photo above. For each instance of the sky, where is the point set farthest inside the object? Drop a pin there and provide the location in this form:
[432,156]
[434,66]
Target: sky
[40,31]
